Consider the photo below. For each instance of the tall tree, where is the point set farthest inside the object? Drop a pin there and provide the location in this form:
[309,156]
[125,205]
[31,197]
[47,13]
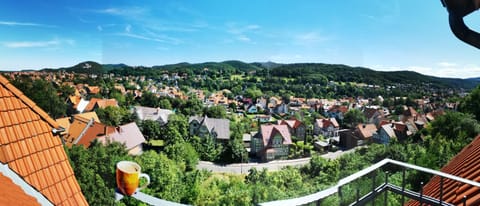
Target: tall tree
[470,103]
[114,116]
[94,170]
[151,130]
[215,112]
[44,94]
[353,117]
[184,153]
[176,129]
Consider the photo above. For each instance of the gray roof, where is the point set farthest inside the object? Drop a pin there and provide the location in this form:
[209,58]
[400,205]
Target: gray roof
[129,134]
[150,113]
[389,130]
[219,126]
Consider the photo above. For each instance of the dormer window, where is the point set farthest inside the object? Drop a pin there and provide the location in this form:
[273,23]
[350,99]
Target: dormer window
[277,140]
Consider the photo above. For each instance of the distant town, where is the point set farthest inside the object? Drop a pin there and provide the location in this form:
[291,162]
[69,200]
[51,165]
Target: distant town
[229,116]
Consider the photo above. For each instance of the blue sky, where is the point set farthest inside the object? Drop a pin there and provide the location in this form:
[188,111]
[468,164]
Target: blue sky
[379,34]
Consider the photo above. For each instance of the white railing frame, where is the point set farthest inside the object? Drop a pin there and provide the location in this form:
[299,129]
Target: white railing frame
[334,189]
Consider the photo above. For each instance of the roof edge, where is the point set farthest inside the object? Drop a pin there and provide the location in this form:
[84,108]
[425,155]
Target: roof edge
[19,94]
[28,189]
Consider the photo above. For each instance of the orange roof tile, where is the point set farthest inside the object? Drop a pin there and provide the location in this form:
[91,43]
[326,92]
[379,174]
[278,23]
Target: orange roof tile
[100,103]
[89,115]
[96,130]
[83,131]
[465,164]
[93,89]
[64,123]
[14,195]
[26,144]
[291,123]
[365,131]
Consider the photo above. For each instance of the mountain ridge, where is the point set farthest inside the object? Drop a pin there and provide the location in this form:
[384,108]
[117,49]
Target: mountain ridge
[333,72]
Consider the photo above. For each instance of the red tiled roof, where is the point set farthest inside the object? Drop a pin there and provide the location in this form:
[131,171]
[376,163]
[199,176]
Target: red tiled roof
[465,164]
[324,123]
[101,103]
[29,148]
[94,131]
[370,112]
[366,130]
[268,131]
[14,195]
[291,123]
[83,131]
[93,89]
[75,100]
[338,108]
[89,115]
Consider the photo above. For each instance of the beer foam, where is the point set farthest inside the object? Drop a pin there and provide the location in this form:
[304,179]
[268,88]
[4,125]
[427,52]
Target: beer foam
[128,167]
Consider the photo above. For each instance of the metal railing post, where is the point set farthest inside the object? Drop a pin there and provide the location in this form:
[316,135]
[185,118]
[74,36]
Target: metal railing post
[358,195]
[374,175]
[403,186]
[421,193]
[465,200]
[385,191]
[441,190]
[340,196]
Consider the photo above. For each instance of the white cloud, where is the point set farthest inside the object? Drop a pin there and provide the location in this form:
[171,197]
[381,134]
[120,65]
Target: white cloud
[243,38]
[442,69]
[14,23]
[240,32]
[155,38]
[310,38]
[127,12]
[128,28]
[447,64]
[252,27]
[38,44]
[234,28]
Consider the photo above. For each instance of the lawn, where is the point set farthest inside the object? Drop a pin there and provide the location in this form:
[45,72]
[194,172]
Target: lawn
[237,77]
[156,143]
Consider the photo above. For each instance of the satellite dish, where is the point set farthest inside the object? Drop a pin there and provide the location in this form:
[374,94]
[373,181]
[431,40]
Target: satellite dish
[457,9]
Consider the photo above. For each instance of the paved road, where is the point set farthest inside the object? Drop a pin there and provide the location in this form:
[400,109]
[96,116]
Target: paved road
[242,168]
[337,154]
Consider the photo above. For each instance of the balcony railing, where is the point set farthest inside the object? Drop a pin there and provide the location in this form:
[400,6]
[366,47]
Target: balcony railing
[150,200]
[383,188]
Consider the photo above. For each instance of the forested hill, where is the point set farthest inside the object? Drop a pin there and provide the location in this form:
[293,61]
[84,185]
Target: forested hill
[343,73]
[308,72]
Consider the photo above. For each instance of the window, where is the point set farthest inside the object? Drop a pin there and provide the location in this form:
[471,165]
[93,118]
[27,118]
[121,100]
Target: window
[256,145]
[277,140]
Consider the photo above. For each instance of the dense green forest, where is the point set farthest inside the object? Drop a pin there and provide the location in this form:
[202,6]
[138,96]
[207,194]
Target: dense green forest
[332,72]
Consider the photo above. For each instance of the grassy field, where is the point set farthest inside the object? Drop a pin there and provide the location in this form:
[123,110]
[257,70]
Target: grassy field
[157,143]
[237,77]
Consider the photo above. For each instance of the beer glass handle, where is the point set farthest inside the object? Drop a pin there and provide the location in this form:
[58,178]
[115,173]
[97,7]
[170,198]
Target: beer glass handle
[146,177]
